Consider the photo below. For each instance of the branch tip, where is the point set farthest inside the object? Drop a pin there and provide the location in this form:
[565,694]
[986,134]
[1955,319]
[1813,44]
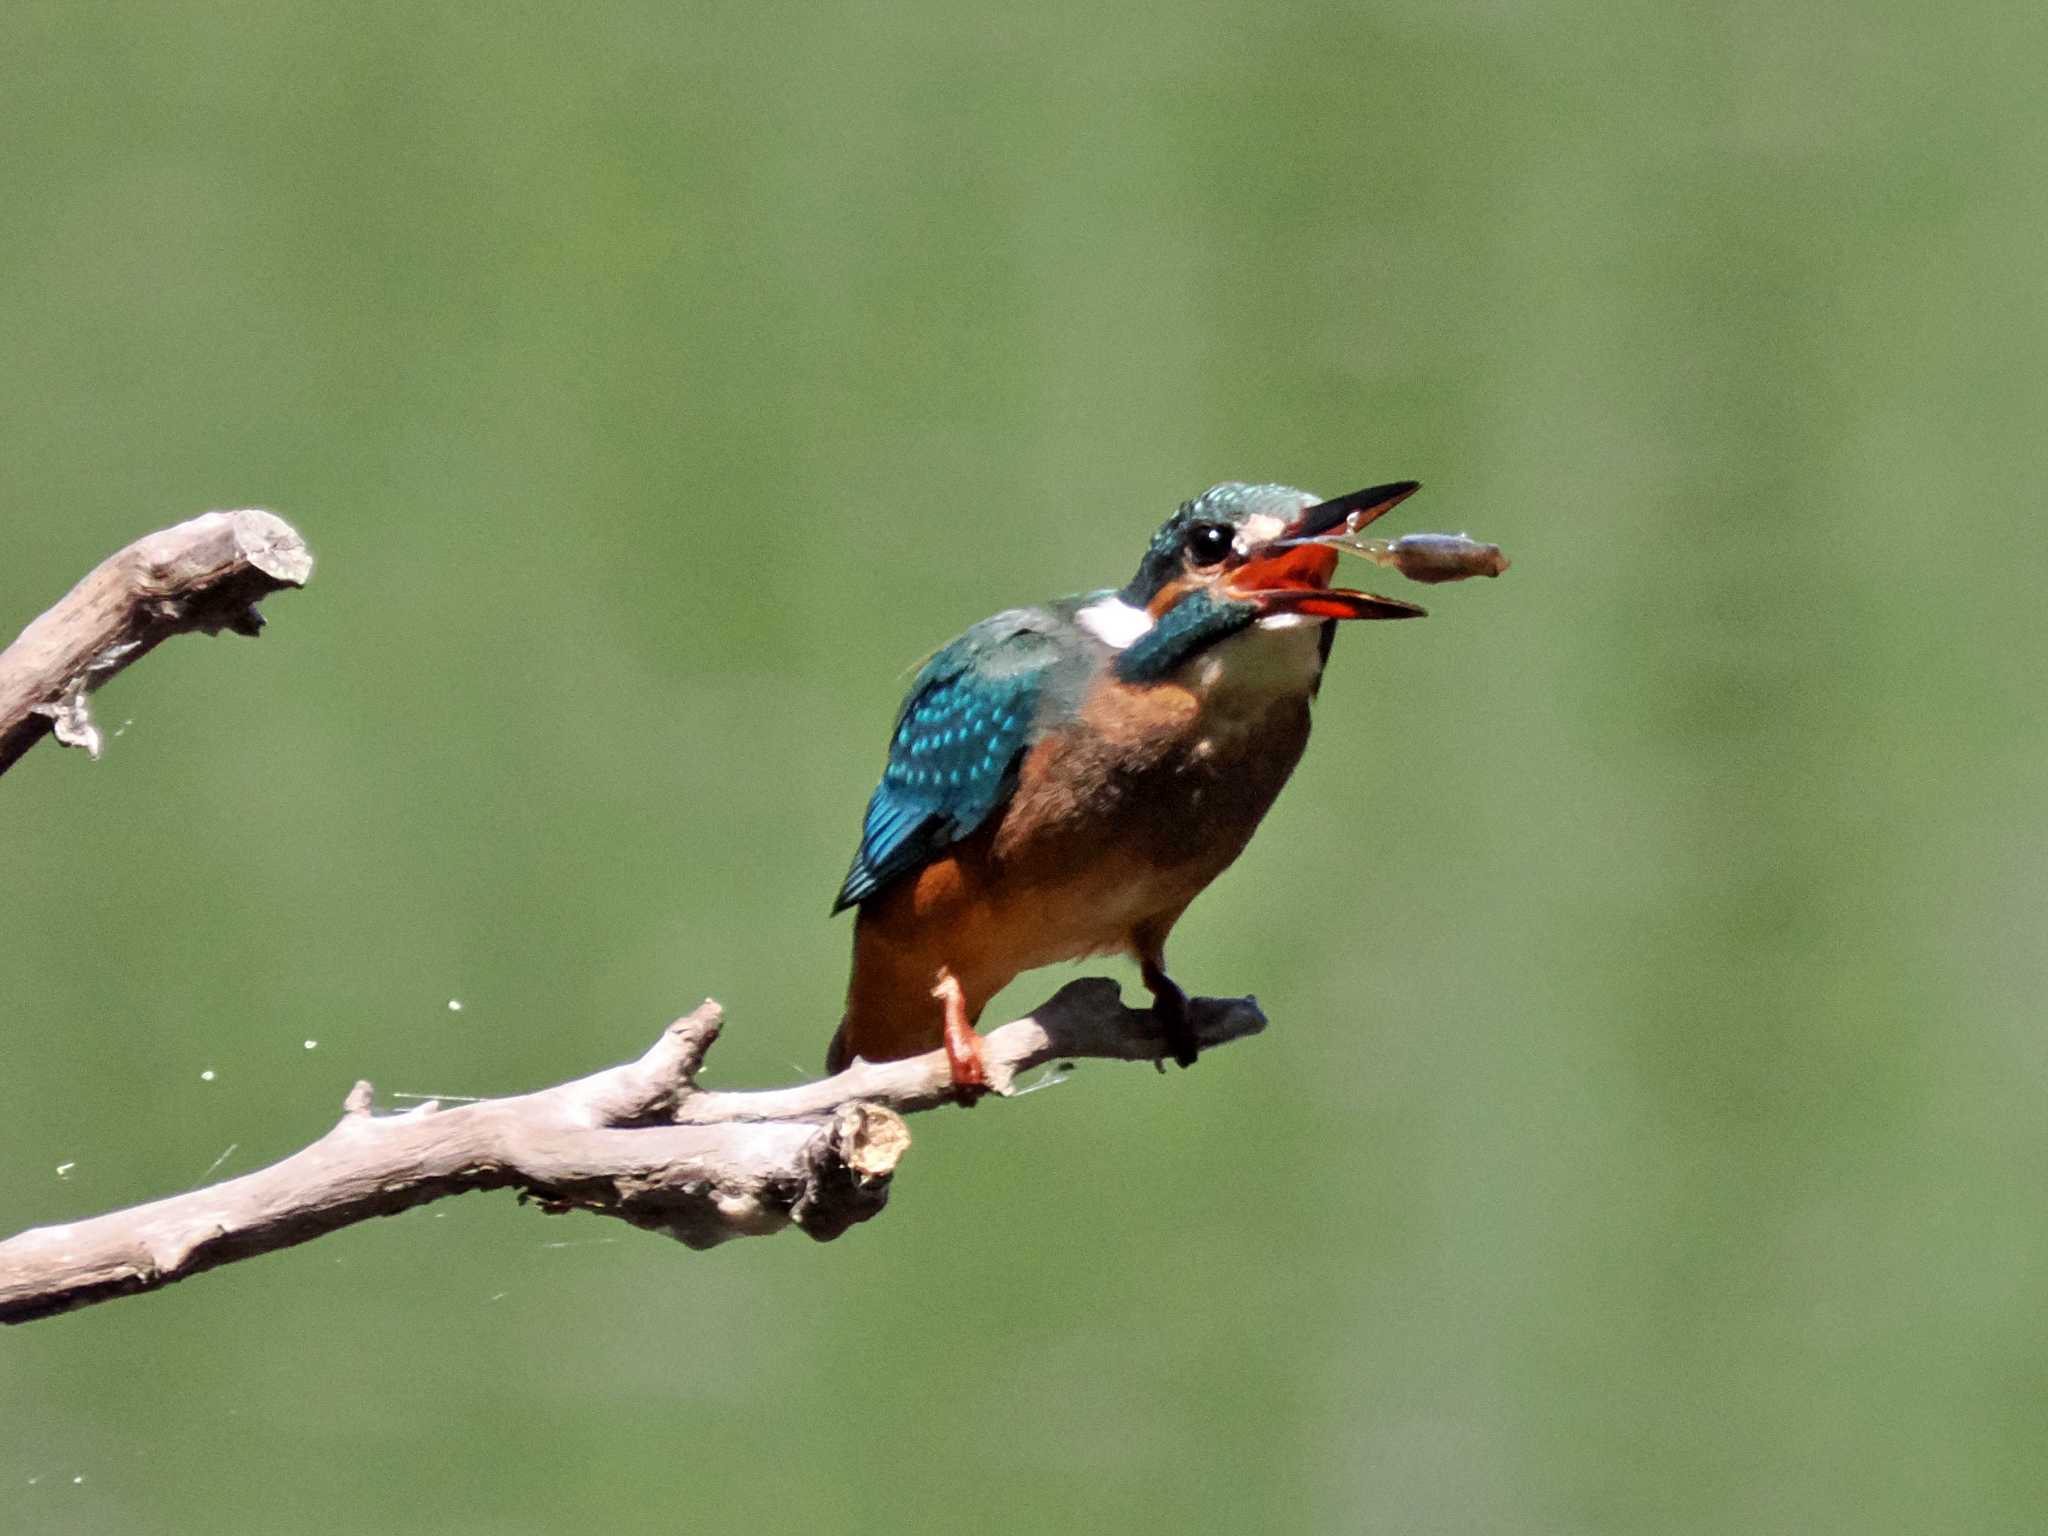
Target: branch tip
[205,574]
[272,545]
[691,1037]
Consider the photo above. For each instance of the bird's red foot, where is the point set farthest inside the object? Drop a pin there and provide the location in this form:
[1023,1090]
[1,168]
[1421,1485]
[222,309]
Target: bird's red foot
[964,1062]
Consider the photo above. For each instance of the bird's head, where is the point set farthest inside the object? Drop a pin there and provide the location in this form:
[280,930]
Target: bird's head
[1242,545]
[1237,556]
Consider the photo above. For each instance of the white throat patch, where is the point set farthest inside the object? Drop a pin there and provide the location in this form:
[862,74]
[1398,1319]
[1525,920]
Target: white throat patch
[1239,677]
[1113,621]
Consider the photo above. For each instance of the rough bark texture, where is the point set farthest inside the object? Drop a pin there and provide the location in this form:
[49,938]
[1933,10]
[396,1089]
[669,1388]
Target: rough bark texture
[207,575]
[640,1142]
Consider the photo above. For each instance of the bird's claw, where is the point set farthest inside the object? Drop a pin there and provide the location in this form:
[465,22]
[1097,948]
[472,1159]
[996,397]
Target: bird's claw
[1171,1010]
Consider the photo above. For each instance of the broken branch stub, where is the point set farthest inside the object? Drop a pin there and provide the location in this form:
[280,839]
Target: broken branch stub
[205,575]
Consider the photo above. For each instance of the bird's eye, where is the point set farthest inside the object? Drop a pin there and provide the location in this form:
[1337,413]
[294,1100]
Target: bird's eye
[1207,543]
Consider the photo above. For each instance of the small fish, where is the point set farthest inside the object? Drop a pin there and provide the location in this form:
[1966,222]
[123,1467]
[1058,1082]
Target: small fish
[1424,557]
[1436,557]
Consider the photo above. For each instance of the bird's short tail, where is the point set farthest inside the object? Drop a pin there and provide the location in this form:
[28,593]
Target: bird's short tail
[838,1055]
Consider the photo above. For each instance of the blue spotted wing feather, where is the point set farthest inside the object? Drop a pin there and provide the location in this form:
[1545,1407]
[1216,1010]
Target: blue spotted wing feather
[953,757]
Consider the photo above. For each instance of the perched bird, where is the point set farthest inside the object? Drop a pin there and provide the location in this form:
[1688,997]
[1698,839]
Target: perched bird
[1063,780]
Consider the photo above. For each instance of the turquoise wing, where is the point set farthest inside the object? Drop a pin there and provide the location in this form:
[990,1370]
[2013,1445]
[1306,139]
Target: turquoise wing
[953,757]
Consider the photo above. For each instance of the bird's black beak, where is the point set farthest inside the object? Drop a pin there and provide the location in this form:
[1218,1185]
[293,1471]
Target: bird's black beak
[1351,512]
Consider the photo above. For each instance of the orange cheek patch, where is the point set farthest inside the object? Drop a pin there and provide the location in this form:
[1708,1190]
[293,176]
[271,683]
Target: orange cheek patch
[1164,599]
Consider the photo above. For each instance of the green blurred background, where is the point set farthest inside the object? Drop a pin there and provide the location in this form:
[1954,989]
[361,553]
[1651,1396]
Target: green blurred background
[1651,1135]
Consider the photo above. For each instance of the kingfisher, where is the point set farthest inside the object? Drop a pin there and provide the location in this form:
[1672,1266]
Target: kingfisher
[1064,779]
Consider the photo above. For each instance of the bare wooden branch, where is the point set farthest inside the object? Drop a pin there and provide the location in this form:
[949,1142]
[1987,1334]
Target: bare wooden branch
[640,1142]
[207,574]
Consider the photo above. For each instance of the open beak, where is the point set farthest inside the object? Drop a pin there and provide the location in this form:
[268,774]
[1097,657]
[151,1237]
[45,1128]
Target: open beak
[1289,576]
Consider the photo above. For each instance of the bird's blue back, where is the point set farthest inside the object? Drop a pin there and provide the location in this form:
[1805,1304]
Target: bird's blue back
[971,714]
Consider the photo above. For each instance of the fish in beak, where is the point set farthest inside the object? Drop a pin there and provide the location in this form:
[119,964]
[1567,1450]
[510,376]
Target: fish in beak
[1289,574]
